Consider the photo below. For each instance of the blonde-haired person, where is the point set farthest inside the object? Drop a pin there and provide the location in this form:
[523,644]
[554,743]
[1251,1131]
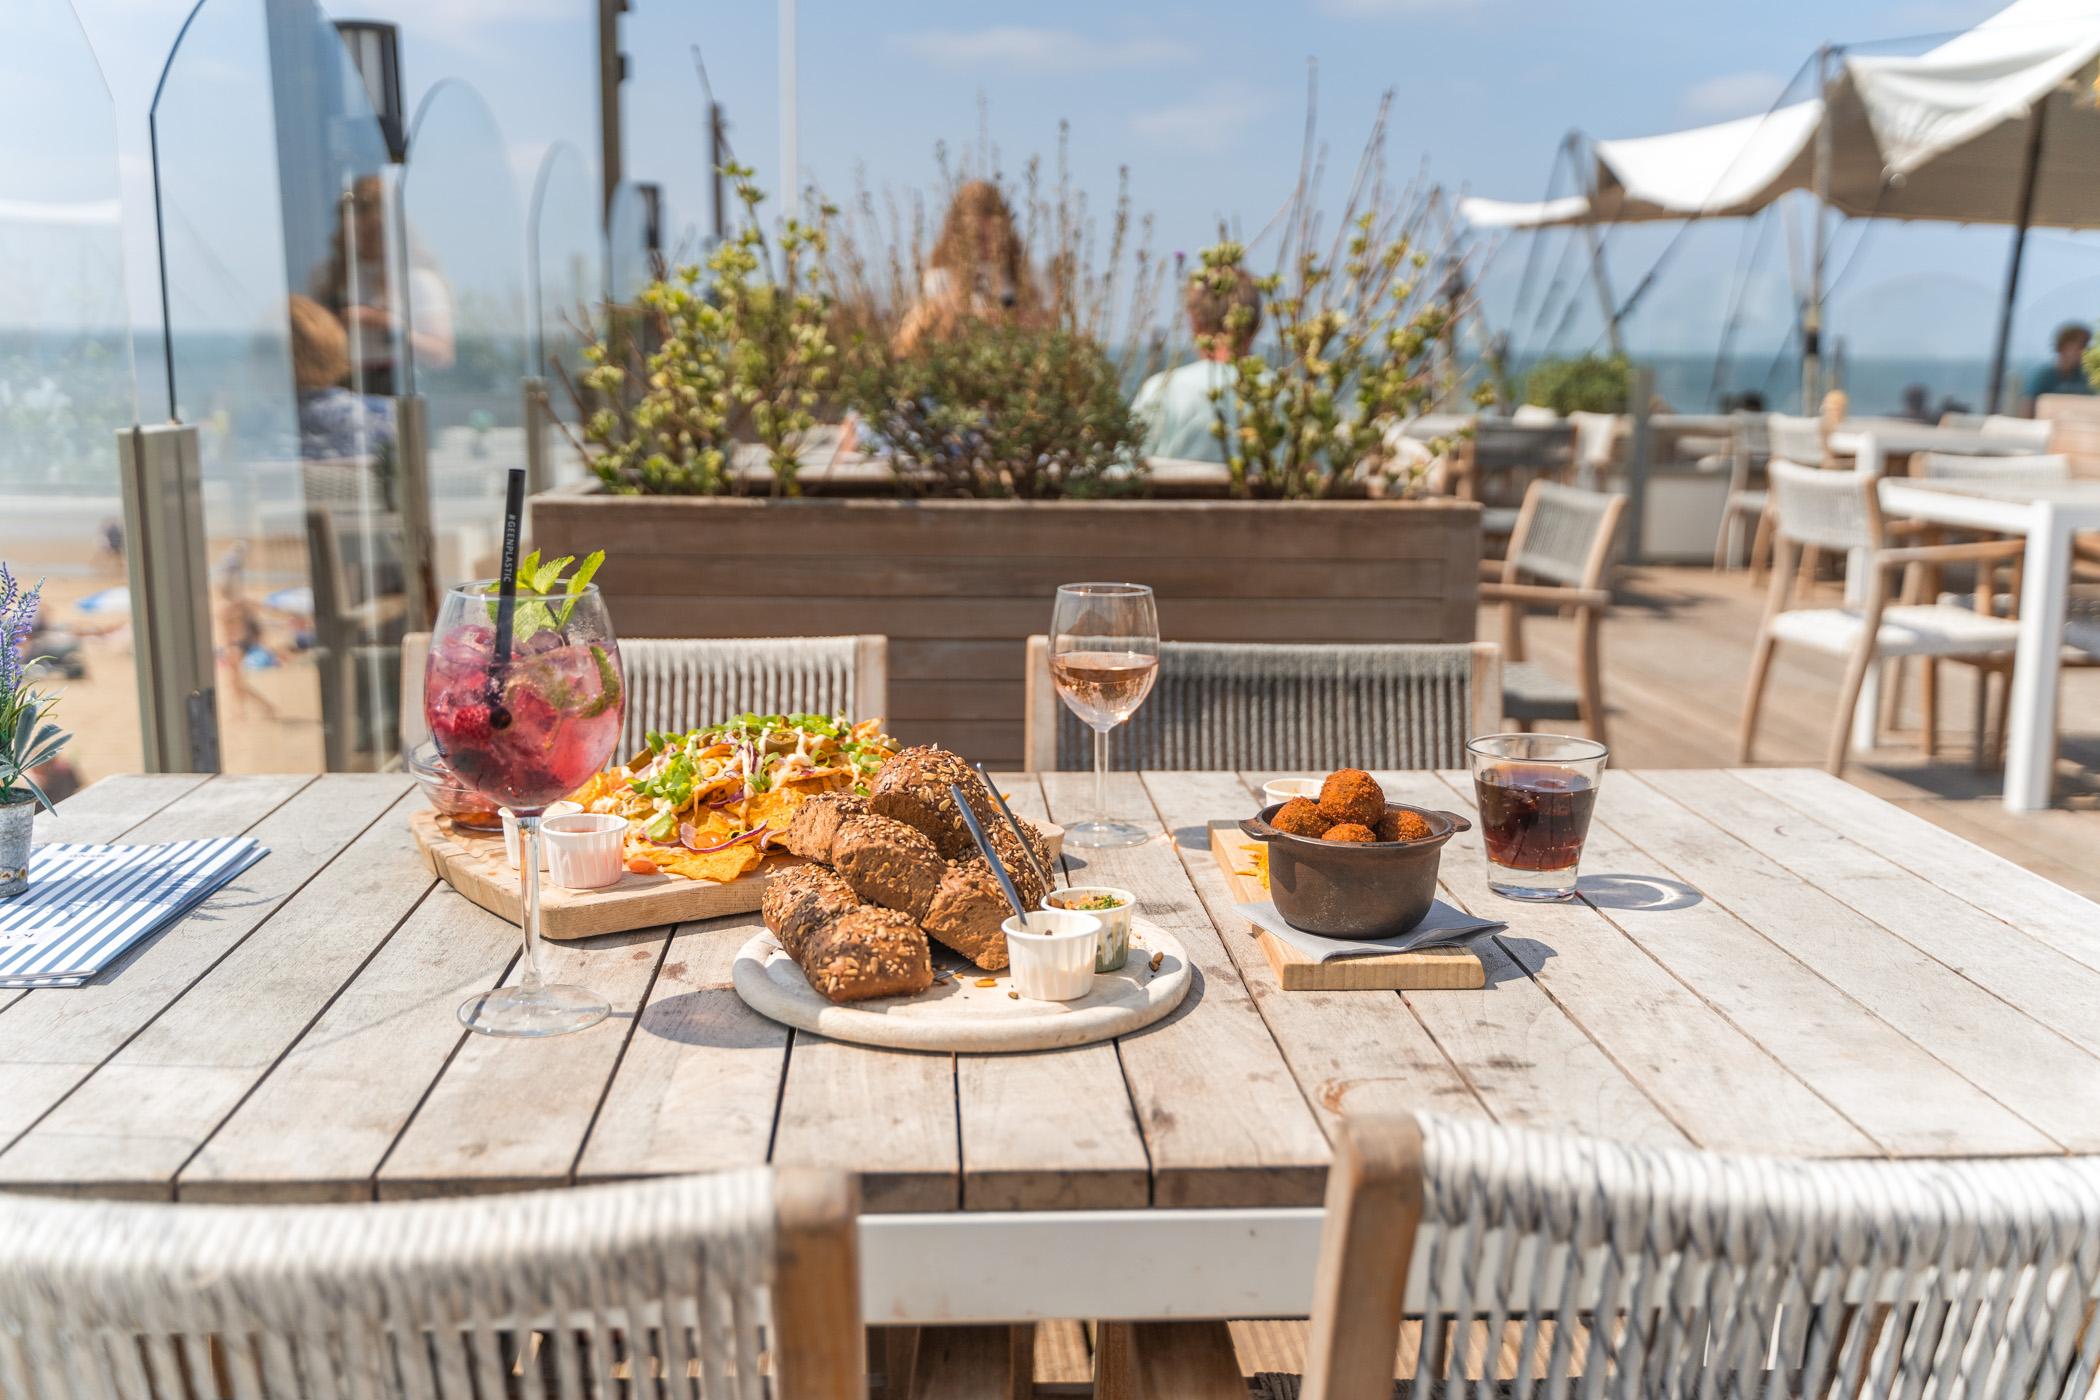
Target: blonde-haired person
[978,270]
[1224,311]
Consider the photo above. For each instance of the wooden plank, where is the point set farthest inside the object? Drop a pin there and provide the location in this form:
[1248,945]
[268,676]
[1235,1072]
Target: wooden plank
[106,810]
[2058,991]
[52,1039]
[1894,1090]
[887,1114]
[1526,1059]
[2040,908]
[1224,1121]
[699,1085]
[1716,1083]
[2027,1068]
[1426,969]
[1049,1131]
[319,1126]
[1360,1051]
[133,1123]
[509,1114]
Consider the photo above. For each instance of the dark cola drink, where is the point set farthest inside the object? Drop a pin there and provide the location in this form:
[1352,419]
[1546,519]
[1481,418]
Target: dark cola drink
[1534,818]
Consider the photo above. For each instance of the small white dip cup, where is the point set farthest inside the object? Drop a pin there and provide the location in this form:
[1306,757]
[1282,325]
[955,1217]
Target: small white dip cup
[585,850]
[1115,923]
[1284,789]
[512,842]
[1052,953]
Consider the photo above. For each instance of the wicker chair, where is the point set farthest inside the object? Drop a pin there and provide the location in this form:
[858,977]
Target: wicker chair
[1256,705]
[1559,556]
[1841,511]
[1796,439]
[1634,1271]
[677,683]
[541,1293]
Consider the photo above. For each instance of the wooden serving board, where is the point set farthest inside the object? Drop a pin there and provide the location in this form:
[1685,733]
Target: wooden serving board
[473,863]
[1427,969]
[958,1015]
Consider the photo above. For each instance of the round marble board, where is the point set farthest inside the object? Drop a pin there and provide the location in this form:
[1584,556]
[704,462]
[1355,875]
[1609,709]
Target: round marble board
[956,1014]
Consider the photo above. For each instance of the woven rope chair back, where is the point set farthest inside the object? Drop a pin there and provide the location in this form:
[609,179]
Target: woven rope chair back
[676,684]
[539,1294]
[1638,1272]
[1832,510]
[1795,438]
[1558,538]
[1234,705]
[2027,432]
[2036,469]
[1753,434]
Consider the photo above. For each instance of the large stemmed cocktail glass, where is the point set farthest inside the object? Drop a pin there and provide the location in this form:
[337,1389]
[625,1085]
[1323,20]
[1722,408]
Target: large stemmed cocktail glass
[524,726]
[1104,657]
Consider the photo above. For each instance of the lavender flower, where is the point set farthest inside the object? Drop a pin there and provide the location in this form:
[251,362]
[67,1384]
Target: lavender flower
[28,739]
[18,612]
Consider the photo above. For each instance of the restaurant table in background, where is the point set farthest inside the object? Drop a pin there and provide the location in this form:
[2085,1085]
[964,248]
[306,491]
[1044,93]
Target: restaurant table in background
[2048,517]
[1886,447]
[1766,960]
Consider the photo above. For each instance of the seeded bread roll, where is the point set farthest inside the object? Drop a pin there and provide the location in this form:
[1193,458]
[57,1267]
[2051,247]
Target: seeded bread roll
[887,863]
[816,824]
[800,901]
[913,788]
[1015,858]
[867,953]
[967,912]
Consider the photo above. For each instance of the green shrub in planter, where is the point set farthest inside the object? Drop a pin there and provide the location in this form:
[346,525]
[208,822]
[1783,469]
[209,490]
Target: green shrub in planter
[1592,384]
[1000,409]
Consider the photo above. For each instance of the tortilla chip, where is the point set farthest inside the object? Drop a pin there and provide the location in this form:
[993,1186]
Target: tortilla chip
[611,782]
[720,866]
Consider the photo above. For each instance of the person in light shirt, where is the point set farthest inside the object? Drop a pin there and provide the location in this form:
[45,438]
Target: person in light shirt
[1175,405]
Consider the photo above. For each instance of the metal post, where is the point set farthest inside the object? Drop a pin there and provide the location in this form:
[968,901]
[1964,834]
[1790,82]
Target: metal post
[1995,393]
[790,181]
[539,412]
[1812,313]
[612,71]
[717,152]
[1598,276]
[164,556]
[418,541]
[1642,390]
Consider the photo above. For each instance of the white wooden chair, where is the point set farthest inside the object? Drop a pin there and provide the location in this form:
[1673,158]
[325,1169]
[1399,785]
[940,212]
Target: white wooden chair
[679,683]
[2030,433]
[1619,1271]
[1744,511]
[735,1286]
[1261,705]
[1560,556]
[1841,512]
[2026,469]
[1794,438]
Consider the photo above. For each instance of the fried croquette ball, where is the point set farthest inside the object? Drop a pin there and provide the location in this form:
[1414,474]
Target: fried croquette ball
[1352,795]
[1350,831]
[1301,816]
[1399,824]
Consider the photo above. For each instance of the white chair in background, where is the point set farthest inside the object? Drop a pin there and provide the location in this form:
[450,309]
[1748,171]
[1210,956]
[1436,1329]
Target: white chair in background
[1841,512]
[2031,469]
[1749,447]
[1571,1266]
[561,1293]
[2030,433]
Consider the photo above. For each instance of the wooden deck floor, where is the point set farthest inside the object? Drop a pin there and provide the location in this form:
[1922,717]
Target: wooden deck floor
[1677,656]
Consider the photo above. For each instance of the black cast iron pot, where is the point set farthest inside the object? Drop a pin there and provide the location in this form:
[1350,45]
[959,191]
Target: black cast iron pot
[1355,889]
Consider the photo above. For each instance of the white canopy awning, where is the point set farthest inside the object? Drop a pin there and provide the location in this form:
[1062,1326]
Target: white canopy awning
[1942,135]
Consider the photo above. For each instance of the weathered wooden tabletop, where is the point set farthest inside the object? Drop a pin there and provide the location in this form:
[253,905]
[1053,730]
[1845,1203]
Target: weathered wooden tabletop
[1768,960]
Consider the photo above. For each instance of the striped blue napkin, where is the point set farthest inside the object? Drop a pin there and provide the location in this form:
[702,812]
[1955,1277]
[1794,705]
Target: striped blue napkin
[87,904]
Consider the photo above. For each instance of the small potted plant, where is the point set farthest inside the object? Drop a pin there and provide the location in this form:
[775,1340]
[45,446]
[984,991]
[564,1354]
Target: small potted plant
[28,739]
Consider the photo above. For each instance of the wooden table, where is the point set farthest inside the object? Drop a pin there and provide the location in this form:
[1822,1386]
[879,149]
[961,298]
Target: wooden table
[1767,960]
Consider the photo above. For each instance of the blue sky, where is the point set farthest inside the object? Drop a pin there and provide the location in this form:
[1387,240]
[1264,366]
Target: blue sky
[1203,103]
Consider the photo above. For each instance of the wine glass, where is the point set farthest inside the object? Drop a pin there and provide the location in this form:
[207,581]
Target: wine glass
[1104,657]
[524,725]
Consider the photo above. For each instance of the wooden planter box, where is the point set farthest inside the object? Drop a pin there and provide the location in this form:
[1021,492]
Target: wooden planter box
[958,585]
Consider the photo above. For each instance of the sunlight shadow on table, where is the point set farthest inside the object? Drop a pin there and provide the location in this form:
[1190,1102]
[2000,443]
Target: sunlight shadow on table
[1645,893]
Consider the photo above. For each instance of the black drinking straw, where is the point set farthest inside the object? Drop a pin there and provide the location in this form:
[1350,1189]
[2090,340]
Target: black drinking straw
[507,593]
[984,845]
[1027,850]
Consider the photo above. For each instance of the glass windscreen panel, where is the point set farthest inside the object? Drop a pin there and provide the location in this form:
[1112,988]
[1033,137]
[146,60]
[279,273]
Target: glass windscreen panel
[462,247]
[634,233]
[285,326]
[568,284]
[66,382]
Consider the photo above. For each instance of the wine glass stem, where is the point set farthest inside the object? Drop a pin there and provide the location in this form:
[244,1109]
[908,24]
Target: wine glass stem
[529,866]
[1101,775]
